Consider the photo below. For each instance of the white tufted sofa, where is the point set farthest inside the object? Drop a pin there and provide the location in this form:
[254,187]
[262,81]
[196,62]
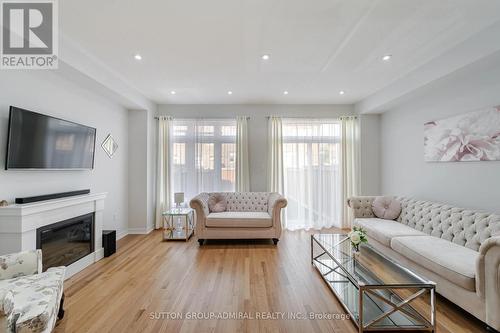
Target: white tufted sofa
[459,249]
[249,215]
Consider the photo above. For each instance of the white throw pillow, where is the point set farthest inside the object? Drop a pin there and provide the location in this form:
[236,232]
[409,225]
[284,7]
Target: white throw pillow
[386,208]
[217,203]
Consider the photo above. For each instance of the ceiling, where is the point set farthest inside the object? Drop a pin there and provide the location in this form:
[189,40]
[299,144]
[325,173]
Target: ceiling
[202,49]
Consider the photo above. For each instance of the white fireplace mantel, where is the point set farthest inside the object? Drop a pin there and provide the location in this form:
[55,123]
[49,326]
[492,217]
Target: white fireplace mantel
[18,224]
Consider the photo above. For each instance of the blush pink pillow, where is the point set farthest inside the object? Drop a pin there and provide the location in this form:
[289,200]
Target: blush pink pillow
[386,208]
[217,203]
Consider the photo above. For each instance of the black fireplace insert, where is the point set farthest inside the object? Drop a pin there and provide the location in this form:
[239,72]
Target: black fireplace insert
[65,242]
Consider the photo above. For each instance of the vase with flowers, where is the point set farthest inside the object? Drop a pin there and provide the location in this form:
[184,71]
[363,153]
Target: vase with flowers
[357,236]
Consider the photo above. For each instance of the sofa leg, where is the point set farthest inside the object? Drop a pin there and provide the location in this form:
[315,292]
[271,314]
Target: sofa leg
[201,241]
[275,241]
[60,314]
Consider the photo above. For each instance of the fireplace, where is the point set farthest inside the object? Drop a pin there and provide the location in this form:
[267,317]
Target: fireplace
[65,242]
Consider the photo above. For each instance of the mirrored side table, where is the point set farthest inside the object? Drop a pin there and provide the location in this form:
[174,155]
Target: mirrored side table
[178,224]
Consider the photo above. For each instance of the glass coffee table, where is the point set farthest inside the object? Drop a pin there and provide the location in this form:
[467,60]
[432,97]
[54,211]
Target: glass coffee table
[375,290]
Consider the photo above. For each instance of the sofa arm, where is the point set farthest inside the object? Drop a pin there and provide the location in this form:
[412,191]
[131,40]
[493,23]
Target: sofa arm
[21,263]
[200,205]
[274,205]
[361,206]
[488,279]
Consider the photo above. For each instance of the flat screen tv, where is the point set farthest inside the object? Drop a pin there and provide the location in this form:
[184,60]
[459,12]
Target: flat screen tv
[37,141]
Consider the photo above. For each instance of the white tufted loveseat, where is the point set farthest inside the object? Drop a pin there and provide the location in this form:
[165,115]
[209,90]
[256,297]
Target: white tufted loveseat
[459,249]
[249,215]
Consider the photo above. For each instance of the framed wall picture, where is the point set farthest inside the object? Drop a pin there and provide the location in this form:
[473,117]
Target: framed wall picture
[474,136]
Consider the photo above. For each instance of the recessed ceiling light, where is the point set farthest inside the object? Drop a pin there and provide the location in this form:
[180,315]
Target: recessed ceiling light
[387,57]
[285,92]
[265,57]
[138,57]
[173,92]
[341,92]
[229,92]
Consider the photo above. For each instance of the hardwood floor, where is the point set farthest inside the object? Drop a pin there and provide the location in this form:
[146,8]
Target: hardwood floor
[148,280]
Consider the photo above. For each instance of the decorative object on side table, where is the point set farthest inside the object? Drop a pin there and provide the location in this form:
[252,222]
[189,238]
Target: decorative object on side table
[178,199]
[357,236]
[178,224]
[109,145]
[4,203]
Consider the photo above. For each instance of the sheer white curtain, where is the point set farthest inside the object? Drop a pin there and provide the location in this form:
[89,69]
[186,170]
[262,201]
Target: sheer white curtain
[312,175]
[242,162]
[163,172]
[350,161]
[204,156]
[275,155]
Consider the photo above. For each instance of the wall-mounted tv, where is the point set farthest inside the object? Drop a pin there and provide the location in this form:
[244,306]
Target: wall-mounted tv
[37,141]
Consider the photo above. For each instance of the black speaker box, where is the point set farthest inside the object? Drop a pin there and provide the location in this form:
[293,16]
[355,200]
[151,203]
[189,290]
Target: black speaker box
[109,242]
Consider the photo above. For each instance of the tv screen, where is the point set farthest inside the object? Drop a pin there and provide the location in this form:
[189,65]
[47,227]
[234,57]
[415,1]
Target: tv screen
[37,141]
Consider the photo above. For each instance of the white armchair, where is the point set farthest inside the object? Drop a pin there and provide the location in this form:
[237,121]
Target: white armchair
[30,301]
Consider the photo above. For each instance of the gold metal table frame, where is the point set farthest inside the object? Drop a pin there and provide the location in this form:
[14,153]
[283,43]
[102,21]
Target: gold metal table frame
[387,296]
[170,231]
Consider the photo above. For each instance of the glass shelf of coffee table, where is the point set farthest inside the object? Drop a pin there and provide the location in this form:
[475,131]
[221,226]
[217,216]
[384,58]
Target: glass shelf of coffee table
[178,224]
[375,290]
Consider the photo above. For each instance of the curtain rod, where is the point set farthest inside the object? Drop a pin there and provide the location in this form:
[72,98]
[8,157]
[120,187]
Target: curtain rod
[208,118]
[339,117]
[248,118]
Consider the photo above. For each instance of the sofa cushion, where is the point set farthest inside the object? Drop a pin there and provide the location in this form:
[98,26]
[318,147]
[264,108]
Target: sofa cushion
[32,302]
[217,203]
[451,261]
[384,230]
[239,220]
[19,264]
[386,208]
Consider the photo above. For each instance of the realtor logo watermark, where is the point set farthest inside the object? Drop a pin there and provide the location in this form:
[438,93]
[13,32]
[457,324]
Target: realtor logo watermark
[29,34]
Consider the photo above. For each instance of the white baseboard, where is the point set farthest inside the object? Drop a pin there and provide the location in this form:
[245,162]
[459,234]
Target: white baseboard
[139,231]
[121,234]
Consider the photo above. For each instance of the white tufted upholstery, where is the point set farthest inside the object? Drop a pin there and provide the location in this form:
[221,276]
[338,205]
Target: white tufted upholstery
[248,215]
[462,253]
[247,201]
[460,226]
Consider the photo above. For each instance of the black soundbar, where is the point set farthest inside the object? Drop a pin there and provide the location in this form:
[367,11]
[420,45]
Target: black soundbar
[50,196]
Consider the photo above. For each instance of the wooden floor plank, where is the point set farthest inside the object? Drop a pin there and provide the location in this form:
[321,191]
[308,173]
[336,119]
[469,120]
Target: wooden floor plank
[147,279]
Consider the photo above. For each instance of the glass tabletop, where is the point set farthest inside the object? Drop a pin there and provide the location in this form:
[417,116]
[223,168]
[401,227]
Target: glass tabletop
[368,267]
[178,211]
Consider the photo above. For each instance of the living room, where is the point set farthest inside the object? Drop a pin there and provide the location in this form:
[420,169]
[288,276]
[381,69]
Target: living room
[237,166]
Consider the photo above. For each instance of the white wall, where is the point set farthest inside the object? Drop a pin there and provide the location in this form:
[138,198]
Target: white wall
[370,154]
[47,92]
[258,130]
[137,170]
[141,173]
[404,172]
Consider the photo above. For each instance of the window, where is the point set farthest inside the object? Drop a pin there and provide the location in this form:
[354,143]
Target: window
[311,173]
[228,162]
[179,153]
[204,156]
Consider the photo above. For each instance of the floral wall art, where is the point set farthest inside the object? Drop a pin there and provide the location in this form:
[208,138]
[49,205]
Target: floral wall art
[474,136]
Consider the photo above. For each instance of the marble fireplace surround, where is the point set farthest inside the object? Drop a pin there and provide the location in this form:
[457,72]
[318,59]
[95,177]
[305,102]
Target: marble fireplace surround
[19,224]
